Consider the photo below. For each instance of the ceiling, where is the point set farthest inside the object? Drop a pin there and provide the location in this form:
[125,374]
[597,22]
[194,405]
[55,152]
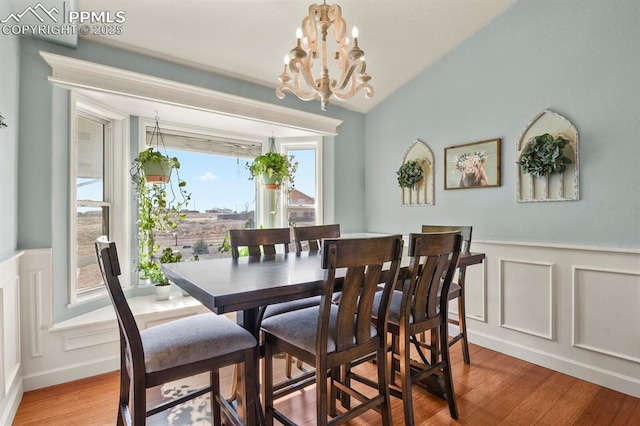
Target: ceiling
[247,39]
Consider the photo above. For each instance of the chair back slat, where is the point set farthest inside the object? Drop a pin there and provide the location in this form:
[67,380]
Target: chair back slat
[110,269]
[434,261]
[313,235]
[259,241]
[465,231]
[363,259]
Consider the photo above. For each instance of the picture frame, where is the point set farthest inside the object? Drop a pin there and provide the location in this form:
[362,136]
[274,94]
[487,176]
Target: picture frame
[472,165]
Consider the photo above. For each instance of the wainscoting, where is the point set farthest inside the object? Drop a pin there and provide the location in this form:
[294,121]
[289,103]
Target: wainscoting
[10,356]
[570,309]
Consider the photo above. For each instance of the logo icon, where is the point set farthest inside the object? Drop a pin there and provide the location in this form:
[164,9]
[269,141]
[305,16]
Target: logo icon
[38,11]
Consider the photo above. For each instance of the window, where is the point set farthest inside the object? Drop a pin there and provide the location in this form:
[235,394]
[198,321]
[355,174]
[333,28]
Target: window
[93,201]
[97,166]
[222,196]
[303,205]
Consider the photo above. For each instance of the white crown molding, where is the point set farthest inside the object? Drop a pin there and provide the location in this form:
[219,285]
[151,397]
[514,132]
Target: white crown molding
[77,73]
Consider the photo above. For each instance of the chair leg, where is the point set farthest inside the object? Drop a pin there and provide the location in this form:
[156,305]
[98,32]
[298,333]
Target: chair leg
[216,417]
[446,370]
[288,359]
[383,385]
[139,405]
[123,404]
[267,385]
[321,394]
[405,381]
[462,324]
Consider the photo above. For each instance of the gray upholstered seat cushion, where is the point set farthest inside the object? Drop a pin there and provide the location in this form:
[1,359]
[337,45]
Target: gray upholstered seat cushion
[280,308]
[394,309]
[192,339]
[299,328]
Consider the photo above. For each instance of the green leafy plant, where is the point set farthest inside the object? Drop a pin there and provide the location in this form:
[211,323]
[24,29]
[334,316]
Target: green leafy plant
[274,169]
[159,210]
[3,124]
[170,256]
[544,155]
[409,174]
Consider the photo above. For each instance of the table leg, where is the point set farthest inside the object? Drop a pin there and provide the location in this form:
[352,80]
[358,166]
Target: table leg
[248,319]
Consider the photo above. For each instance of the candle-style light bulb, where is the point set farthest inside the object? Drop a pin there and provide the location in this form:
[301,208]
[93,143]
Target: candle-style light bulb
[286,59]
[299,33]
[354,32]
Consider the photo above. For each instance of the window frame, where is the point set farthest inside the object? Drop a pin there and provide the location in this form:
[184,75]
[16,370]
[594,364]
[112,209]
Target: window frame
[284,145]
[116,195]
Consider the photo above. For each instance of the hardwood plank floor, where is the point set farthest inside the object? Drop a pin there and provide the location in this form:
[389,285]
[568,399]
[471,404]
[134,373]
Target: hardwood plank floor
[494,389]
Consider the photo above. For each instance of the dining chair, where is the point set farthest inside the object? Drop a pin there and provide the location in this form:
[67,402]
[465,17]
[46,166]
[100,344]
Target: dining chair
[330,336]
[175,350]
[264,241]
[259,241]
[457,291]
[307,238]
[310,237]
[418,308]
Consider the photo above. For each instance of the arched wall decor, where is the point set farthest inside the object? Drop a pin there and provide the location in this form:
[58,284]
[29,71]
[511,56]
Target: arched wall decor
[558,186]
[423,193]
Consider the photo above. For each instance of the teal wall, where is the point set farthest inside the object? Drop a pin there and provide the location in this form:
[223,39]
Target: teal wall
[578,58]
[44,135]
[9,81]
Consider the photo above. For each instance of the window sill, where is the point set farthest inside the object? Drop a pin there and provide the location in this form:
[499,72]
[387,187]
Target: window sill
[140,305]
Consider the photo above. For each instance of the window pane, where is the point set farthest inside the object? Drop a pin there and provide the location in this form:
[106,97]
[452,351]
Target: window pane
[90,154]
[222,198]
[305,179]
[92,223]
[302,216]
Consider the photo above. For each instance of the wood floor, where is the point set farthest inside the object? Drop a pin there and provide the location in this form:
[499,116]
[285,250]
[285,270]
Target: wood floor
[494,389]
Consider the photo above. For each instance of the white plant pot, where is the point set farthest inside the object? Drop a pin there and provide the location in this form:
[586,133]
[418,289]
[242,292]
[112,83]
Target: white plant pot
[162,292]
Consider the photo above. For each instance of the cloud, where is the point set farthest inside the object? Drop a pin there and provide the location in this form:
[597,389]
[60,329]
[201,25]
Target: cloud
[207,177]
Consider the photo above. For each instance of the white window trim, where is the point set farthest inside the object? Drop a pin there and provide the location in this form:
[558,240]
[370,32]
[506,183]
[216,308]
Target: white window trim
[116,172]
[283,145]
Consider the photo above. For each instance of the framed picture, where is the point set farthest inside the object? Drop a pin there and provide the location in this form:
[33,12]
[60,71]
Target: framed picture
[472,165]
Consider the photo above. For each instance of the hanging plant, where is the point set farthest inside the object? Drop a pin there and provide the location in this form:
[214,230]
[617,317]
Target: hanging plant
[160,205]
[273,169]
[409,174]
[544,155]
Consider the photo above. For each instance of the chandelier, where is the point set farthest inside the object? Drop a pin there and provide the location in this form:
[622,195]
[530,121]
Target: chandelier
[311,45]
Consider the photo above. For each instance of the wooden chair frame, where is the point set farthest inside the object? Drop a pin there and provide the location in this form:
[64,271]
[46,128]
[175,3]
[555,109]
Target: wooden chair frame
[351,336]
[457,290]
[134,379]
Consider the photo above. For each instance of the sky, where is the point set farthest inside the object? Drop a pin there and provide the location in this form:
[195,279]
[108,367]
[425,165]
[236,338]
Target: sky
[217,181]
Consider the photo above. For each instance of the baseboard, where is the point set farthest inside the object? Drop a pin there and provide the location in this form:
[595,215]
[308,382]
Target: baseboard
[69,373]
[591,373]
[10,403]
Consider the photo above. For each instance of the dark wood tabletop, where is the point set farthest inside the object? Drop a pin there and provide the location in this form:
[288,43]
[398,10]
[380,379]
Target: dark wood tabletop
[230,285]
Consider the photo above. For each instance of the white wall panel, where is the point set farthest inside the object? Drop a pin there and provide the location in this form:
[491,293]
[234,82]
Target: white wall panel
[604,301]
[10,354]
[526,302]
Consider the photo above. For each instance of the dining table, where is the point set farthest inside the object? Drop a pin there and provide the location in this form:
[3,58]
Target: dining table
[246,284]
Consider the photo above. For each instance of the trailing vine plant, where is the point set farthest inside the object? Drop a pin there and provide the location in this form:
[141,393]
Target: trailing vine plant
[159,210]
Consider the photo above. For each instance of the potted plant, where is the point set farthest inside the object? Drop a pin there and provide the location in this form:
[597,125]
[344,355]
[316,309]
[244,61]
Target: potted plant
[409,174]
[159,210]
[273,169]
[157,167]
[544,155]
